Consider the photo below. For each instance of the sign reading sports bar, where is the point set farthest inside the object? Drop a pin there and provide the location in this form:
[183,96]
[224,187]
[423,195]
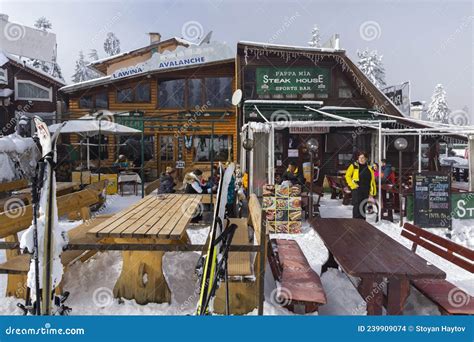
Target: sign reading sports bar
[181,56]
[294,80]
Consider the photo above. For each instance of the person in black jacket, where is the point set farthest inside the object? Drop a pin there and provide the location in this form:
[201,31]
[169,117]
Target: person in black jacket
[167,183]
[293,174]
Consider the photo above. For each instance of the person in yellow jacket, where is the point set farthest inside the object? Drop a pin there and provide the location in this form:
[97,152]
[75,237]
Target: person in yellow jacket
[360,178]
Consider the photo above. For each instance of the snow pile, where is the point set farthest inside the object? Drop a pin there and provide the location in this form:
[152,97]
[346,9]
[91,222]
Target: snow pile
[449,161]
[59,237]
[18,157]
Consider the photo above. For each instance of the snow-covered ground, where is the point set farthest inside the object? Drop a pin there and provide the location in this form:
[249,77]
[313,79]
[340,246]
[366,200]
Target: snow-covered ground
[91,283]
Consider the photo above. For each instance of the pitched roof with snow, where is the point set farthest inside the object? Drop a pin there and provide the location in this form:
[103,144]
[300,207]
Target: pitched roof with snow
[6,57]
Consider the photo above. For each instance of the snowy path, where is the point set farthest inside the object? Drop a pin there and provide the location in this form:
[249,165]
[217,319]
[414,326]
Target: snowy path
[91,283]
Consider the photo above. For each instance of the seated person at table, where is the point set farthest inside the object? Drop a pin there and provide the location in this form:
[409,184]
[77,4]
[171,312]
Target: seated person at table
[167,183]
[193,183]
[293,175]
[388,176]
[122,161]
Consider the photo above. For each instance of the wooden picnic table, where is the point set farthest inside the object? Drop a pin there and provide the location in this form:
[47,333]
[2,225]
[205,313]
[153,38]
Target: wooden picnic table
[156,219]
[363,251]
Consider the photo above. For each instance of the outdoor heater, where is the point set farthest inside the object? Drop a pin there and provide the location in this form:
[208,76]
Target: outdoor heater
[400,144]
[312,145]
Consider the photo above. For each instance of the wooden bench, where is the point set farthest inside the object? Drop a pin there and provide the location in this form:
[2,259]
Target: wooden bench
[11,223]
[245,274]
[13,185]
[346,191]
[299,286]
[450,299]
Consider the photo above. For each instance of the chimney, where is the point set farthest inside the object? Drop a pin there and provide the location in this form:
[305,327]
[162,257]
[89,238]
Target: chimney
[155,37]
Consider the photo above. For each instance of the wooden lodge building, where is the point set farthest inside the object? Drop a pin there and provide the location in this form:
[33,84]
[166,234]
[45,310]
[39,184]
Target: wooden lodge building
[185,91]
[179,93]
[279,83]
[26,91]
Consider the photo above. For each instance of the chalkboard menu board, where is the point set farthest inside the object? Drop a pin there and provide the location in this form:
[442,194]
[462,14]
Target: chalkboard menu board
[432,204]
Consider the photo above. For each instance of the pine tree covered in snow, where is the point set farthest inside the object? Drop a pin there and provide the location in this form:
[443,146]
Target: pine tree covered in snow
[438,109]
[111,44]
[52,67]
[43,24]
[93,55]
[82,72]
[315,37]
[370,63]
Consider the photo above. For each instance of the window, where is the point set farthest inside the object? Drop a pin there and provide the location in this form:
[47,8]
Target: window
[142,92]
[3,76]
[171,94]
[218,92]
[222,148]
[28,90]
[125,95]
[139,93]
[99,100]
[344,89]
[86,101]
[194,93]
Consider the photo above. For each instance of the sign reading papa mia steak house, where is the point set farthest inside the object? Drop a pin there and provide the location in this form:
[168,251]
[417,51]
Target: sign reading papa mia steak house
[182,56]
[293,80]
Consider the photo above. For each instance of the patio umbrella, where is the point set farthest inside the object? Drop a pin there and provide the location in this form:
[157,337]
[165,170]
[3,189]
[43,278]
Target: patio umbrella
[89,126]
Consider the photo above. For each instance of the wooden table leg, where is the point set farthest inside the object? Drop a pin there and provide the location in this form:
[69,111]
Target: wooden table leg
[398,291]
[330,263]
[371,289]
[142,276]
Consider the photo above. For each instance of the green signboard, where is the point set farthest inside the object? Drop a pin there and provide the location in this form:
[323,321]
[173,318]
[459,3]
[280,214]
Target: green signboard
[132,120]
[462,204]
[294,80]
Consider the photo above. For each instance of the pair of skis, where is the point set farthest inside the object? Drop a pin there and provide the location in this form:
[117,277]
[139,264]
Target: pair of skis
[217,249]
[45,198]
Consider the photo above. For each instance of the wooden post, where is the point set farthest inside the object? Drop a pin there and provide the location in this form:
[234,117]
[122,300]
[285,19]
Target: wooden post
[262,258]
[471,163]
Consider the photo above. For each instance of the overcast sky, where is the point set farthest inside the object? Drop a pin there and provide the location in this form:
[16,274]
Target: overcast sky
[425,42]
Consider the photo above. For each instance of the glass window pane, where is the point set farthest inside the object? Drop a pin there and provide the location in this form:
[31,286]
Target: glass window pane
[101,100]
[171,94]
[222,148]
[125,95]
[143,92]
[86,102]
[30,91]
[194,93]
[218,92]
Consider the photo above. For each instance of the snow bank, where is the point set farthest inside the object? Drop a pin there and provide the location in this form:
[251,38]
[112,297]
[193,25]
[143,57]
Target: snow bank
[18,157]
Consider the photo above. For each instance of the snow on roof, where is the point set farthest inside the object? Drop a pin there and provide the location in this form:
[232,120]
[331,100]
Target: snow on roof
[92,82]
[290,47]
[3,59]
[341,108]
[18,60]
[125,53]
[5,92]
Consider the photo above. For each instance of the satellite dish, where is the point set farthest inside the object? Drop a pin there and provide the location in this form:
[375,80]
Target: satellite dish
[237,97]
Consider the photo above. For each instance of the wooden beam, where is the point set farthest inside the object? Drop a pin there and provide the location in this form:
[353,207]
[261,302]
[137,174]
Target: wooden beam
[13,185]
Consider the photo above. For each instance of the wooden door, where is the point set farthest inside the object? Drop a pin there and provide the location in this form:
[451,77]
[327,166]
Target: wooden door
[166,152]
